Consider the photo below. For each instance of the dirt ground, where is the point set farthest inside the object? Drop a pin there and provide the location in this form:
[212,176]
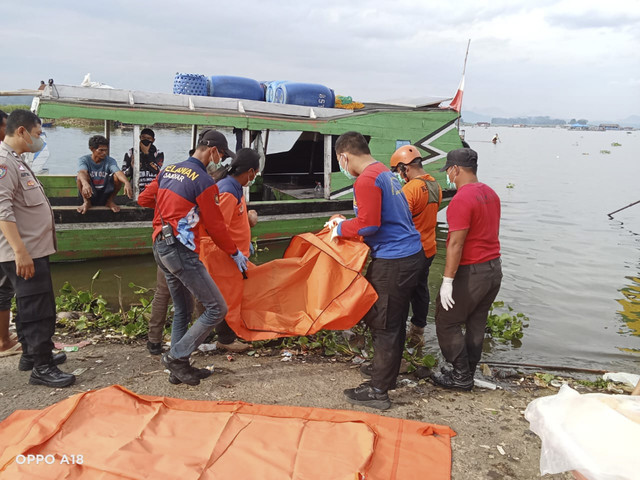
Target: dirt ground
[483,419]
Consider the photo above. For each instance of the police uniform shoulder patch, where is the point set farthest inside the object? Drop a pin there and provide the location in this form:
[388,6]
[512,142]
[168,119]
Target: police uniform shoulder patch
[3,171]
[30,183]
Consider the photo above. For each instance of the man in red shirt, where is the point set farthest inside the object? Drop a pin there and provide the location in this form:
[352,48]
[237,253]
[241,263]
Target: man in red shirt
[472,272]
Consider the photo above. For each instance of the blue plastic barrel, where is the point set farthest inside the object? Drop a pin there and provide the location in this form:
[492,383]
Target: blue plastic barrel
[306,94]
[235,87]
[271,89]
[190,84]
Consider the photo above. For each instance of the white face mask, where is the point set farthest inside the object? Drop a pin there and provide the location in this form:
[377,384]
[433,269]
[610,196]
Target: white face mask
[399,177]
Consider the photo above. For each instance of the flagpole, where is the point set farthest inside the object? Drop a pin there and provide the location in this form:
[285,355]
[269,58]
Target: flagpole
[464,69]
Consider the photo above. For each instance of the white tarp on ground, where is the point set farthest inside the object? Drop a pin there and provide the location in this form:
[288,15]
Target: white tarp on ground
[594,433]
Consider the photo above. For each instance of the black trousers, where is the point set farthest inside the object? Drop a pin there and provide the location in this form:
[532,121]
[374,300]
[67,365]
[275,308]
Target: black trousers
[395,281]
[421,298]
[36,317]
[475,287]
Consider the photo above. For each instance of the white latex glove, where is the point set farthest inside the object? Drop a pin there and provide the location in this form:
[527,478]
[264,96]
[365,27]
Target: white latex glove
[332,223]
[446,293]
[334,228]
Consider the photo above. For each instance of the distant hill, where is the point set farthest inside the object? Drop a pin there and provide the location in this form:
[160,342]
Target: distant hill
[630,121]
[472,117]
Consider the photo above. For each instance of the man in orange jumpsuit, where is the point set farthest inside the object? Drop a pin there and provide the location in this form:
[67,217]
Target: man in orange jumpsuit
[424,196]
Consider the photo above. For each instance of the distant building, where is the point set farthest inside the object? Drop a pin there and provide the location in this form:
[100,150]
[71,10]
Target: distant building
[483,124]
[609,126]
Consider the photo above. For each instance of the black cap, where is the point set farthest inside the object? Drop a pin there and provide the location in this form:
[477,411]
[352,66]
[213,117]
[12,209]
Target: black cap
[463,157]
[213,138]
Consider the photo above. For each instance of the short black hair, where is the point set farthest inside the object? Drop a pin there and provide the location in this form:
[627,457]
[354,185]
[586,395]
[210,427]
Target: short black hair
[21,118]
[246,159]
[148,131]
[3,115]
[96,141]
[352,142]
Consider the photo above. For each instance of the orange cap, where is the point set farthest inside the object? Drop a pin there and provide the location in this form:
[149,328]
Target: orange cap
[405,154]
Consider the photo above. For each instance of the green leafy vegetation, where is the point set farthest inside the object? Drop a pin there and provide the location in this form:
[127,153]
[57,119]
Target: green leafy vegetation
[10,108]
[600,383]
[89,310]
[505,326]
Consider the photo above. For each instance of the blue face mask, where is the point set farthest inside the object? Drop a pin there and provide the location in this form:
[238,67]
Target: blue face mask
[346,172]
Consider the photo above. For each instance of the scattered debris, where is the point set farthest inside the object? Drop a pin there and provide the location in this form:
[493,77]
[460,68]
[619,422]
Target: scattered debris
[500,449]
[629,379]
[76,346]
[484,384]
[405,382]
[486,371]
[230,358]
[207,347]
[78,371]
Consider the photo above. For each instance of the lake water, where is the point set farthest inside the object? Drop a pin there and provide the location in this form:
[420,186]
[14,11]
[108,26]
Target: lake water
[571,269]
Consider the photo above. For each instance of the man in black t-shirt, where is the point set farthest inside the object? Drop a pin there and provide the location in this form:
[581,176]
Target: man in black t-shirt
[151,159]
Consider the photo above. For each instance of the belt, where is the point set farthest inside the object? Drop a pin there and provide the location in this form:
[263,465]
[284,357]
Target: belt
[494,264]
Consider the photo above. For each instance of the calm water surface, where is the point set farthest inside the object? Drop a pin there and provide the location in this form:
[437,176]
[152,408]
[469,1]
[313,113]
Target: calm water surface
[573,271]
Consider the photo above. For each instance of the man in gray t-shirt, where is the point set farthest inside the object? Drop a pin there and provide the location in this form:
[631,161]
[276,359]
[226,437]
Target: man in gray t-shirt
[99,177]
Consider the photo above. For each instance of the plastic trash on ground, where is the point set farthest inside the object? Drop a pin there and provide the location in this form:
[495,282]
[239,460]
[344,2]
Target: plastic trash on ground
[594,433]
[629,379]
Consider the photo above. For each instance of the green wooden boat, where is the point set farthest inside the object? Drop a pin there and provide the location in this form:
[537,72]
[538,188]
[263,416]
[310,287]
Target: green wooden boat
[298,189]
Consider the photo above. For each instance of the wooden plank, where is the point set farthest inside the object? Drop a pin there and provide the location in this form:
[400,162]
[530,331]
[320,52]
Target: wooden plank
[327,167]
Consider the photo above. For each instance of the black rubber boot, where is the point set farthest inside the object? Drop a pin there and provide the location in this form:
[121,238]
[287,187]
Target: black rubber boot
[26,361]
[453,379]
[181,369]
[154,348]
[201,373]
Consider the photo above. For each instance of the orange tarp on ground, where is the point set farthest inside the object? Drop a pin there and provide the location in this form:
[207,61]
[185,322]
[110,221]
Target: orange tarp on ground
[317,285]
[123,435]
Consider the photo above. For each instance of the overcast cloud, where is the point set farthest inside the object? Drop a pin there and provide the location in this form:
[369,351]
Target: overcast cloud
[566,58]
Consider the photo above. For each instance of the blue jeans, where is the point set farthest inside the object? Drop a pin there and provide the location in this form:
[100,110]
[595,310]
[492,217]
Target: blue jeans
[186,276]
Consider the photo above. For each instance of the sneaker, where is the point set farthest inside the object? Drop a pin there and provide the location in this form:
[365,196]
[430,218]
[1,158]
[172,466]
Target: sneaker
[154,348]
[26,361]
[415,336]
[368,396]
[181,369]
[366,370]
[453,380]
[201,373]
[235,347]
[51,376]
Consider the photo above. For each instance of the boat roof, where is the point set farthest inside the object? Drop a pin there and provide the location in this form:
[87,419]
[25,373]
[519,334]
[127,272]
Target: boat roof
[168,102]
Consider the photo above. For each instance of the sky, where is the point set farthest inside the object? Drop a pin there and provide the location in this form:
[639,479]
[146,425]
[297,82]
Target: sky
[562,58]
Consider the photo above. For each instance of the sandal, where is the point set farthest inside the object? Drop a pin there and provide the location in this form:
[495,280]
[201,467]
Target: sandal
[16,349]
